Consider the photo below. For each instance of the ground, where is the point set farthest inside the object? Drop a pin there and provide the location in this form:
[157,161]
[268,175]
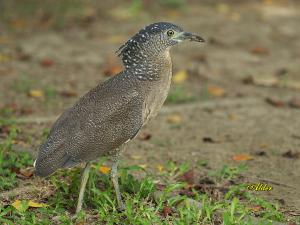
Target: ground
[236,97]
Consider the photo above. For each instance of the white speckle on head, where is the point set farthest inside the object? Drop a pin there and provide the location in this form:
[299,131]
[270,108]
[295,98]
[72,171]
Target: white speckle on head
[34,163]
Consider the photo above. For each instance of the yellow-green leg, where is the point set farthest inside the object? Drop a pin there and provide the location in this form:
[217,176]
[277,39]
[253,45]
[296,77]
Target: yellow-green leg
[84,179]
[114,177]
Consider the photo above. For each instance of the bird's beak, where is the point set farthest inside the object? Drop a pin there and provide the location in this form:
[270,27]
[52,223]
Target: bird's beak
[182,36]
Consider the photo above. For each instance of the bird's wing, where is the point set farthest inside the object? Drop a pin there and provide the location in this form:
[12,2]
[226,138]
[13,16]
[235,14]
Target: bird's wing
[101,121]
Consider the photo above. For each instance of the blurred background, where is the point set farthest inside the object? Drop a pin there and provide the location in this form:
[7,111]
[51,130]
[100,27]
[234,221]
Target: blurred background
[234,98]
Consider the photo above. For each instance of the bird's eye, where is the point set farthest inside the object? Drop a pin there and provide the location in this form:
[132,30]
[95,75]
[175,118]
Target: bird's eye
[170,33]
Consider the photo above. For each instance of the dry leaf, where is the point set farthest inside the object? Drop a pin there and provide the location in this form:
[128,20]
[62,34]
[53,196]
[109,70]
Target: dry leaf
[144,136]
[160,168]
[295,103]
[18,24]
[68,93]
[36,204]
[223,8]
[104,169]
[112,66]
[144,166]
[232,116]
[242,157]
[136,156]
[25,173]
[188,177]
[47,62]
[19,206]
[256,208]
[216,91]
[259,51]
[174,119]
[208,140]
[4,58]
[35,93]
[166,211]
[291,154]
[262,81]
[275,102]
[180,77]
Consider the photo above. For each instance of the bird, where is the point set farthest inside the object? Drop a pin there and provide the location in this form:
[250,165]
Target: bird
[111,114]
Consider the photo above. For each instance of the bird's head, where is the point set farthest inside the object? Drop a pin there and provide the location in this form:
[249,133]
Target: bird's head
[152,40]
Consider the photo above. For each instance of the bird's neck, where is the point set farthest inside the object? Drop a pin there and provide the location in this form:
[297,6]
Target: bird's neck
[152,68]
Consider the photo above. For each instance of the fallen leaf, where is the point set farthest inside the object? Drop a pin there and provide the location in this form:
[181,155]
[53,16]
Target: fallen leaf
[268,2]
[188,177]
[21,206]
[208,140]
[256,208]
[144,166]
[259,51]
[47,62]
[291,154]
[242,157]
[275,102]
[4,58]
[135,156]
[36,204]
[174,119]
[160,168]
[104,169]
[260,153]
[295,103]
[166,211]
[216,91]
[35,93]
[68,93]
[262,81]
[223,8]
[112,67]
[232,116]
[144,136]
[112,70]
[25,173]
[180,77]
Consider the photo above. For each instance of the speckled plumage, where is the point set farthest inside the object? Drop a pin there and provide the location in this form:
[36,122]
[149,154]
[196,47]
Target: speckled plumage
[114,111]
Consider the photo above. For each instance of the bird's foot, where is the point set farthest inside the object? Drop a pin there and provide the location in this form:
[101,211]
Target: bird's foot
[121,206]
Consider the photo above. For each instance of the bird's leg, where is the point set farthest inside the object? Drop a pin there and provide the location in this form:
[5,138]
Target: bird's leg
[84,178]
[114,177]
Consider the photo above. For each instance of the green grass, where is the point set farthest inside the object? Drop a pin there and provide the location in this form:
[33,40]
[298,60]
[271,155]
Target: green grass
[146,201]
[179,94]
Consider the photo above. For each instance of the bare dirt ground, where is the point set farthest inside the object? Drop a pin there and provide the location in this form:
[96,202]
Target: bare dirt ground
[252,53]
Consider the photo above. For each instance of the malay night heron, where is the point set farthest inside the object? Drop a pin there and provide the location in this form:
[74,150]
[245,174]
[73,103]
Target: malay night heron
[112,113]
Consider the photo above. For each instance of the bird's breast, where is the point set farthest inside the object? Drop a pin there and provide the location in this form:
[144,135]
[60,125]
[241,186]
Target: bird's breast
[158,90]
